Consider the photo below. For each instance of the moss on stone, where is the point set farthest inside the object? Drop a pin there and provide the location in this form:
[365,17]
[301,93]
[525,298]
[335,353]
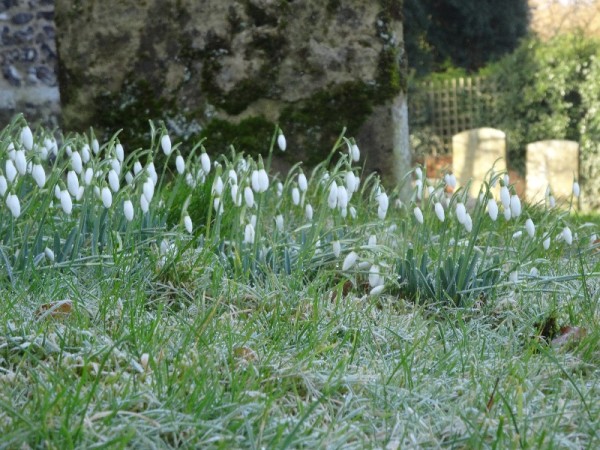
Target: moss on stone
[251,135]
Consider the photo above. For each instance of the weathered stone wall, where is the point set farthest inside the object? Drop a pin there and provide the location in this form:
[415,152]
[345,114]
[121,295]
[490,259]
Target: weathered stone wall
[231,69]
[28,61]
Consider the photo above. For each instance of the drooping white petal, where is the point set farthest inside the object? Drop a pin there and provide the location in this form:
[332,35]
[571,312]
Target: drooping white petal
[418,214]
[349,261]
[439,211]
[128,210]
[165,143]
[27,138]
[530,227]
[65,201]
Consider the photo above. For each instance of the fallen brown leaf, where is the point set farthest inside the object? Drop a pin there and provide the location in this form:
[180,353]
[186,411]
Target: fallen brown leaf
[568,335]
[55,310]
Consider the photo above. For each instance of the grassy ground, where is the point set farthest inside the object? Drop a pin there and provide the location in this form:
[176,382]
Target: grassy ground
[118,333]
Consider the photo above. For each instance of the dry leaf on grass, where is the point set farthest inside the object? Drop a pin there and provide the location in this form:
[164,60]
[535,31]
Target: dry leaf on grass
[55,310]
[569,335]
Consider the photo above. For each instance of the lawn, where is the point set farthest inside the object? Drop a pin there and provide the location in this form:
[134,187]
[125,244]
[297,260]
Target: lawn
[202,302]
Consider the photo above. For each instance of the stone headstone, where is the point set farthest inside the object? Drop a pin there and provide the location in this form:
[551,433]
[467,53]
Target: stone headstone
[474,153]
[553,163]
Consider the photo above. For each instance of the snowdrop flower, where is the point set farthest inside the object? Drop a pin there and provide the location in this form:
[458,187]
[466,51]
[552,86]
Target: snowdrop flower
[151,170]
[217,188]
[450,180]
[507,214]
[144,204]
[515,206]
[419,173]
[88,176]
[180,164]
[115,165]
[506,179]
[249,197]
[349,261]
[353,212]
[281,142]
[439,211]
[308,212]
[249,234]
[505,197]
[279,189]
[165,143]
[576,189]
[279,222]
[302,182]
[534,272]
[253,219]
[383,200]
[530,227]
[113,180]
[254,181]
[351,184]
[49,254]
[128,210]
[38,174]
[95,146]
[187,222]
[3,185]
[235,197]
[376,290]
[336,248]
[85,154]
[148,189]
[372,242]
[106,197]
[419,186]
[418,214]
[80,193]
[137,167]
[20,162]
[342,197]
[517,234]
[355,152]
[333,196]
[374,278]
[14,205]
[27,138]
[546,243]
[76,162]
[461,213]
[120,152]
[11,170]
[205,162]
[263,180]
[296,196]
[492,209]
[232,176]
[65,202]
[218,205]
[72,183]
[468,223]
[567,235]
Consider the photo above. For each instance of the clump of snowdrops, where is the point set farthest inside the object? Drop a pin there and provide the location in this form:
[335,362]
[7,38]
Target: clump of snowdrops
[85,202]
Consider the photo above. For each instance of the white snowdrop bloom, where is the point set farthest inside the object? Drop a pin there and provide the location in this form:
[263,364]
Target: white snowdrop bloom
[3,185]
[355,152]
[374,278]
[144,204]
[507,214]
[97,192]
[57,191]
[567,235]
[546,243]
[353,212]
[506,179]
[439,211]
[249,197]
[106,197]
[279,189]
[85,154]
[372,242]
[302,182]
[11,170]
[505,197]
[253,220]
[115,165]
[336,248]
[20,162]
[530,227]
[492,207]
[80,193]
[342,197]
[281,142]
[332,199]
[517,234]
[232,176]
[180,164]
[165,144]
[190,180]
[217,188]
[187,222]
[148,189]
[468,223]
[95,146]
[461,213]
[205,162]
[377,290]
[350,180]
[349,261]
[137,167]
[43,152]
[279,222]
[128,210]
[151,171]
[418,214]
[296,196]
[383,200]
[27,138]
[515,206]
[344,212]
[68,150]
[65,201]
[49,254]
[381,213]
[534,272]
[14,205]
[576,189]
[120,152]
[235,197]
[254,181]
[513,277]
[76,162]
[450,180]
[430,190]
[88,176]
[218,205]
[113,180]
[39,175]
[72,183]
[263,180]
[308,212]
[419,173]
[419,186]
[249,234]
